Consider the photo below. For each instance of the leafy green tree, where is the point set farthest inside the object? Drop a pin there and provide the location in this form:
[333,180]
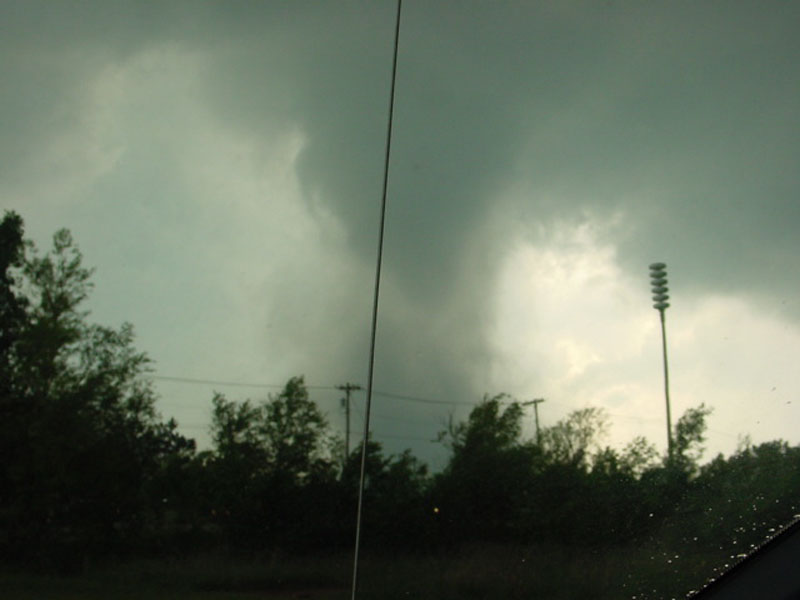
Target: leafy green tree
[571,440]
[688,437]
[268,457]
[285,434]
[56,285]
[733,503]
[565,509]
[488,479]
[737,499]
[487,427]
[234,472]
[78,418]
[296,433]
[396,485]
[14,434]
[235,430]
[12,305]
[638,456]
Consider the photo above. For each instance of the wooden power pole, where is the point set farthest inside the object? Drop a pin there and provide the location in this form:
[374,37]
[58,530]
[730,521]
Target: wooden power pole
[347,388]
[535,402]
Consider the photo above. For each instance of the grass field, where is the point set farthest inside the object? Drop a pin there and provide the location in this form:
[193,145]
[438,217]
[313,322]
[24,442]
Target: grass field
[198,578]
[494,572]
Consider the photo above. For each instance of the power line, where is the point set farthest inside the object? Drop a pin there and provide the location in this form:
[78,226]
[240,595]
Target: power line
[400,437]
[373,435]
[402,419]
[231,383]
[389,395]
[205,427]
[422,400]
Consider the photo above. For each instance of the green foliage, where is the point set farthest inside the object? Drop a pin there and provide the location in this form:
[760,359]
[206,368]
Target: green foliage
[89,468]
[296,433]
[395,486]
[688,437]
[638,456]
[569,489]
[12,306]
[487,427]
[235,432]
[737,499]
[286,434]
[488,478]
[81,439]
[269,459]
[570,440]
[55,285]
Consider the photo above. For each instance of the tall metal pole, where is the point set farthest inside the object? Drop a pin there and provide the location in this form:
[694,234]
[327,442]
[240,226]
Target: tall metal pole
[666,384]
[658,279]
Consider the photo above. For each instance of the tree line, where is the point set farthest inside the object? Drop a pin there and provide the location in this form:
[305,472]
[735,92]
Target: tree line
[90,469]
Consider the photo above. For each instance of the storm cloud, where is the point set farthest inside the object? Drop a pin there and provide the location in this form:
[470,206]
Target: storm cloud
[221,165]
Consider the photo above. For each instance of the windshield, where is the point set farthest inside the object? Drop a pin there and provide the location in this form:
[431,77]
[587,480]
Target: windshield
[582,382]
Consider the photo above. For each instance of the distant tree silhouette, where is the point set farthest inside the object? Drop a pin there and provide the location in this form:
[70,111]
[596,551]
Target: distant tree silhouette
[79,430]
[487,483]
[688,438]
[571,440]
[90,469]
[267,457]
[397,510]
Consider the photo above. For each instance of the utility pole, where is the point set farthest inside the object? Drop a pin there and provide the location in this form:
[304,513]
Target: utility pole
[347,388]
[535,402]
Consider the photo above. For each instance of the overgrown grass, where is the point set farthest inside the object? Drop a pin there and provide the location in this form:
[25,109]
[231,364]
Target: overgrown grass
[475,573]
[510,573]
[210,577]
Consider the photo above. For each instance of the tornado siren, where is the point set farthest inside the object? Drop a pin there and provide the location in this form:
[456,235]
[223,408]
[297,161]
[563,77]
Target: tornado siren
[658,279]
